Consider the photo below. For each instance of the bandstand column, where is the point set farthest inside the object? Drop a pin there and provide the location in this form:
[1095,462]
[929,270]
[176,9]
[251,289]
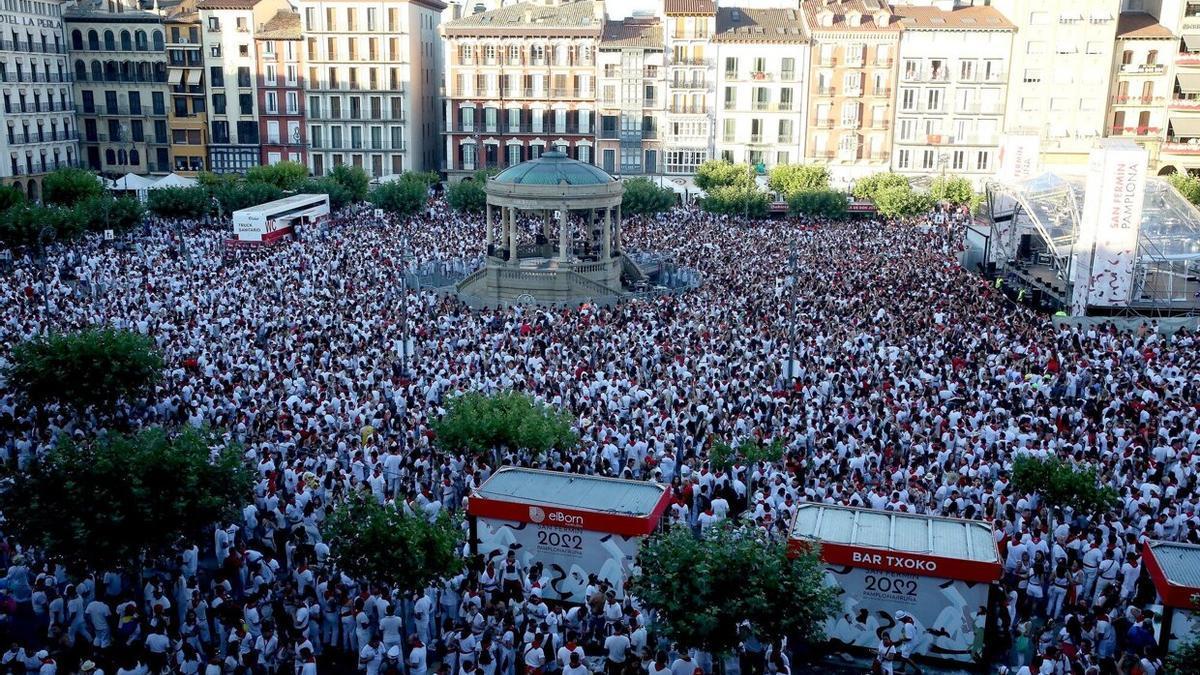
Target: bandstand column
[562,233]
[607,236]
[488,226]
[512,231]
[617,230]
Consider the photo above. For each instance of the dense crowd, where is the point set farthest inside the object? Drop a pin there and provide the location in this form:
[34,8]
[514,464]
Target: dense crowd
[916,385]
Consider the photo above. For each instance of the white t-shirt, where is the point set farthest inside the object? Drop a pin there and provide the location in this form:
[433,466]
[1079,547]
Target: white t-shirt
[616,646]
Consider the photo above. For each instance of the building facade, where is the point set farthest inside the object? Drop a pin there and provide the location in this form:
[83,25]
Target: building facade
[1143,77]
[119,63]
[951,92]
[1180,148]
[35,85]
[690,116]
[851,85]
[521,80]
[631,96]
[762,66]
[1059,90]
[231,61]
[374,69]
[187,112]
[280,49]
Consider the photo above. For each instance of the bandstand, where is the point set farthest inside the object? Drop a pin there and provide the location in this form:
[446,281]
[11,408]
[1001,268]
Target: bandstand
[553,235]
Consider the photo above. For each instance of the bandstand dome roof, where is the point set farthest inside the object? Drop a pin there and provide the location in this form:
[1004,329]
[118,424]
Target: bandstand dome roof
[554,168]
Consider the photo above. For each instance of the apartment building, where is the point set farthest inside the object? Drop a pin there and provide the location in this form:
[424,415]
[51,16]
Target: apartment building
[690,118]
[1143,80]
[762,61]
[851,85]
[280,62]
[632,76]
[952,89]
[373,72]
[229,53]
[187,112]
[521,80]
[1180,149]
[118,56]
[35,85]
[1060,78]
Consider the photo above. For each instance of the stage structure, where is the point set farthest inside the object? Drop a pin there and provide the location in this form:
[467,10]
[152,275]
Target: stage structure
[553,232]
[1114,241]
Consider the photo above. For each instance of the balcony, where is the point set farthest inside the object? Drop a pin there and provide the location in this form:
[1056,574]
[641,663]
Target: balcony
[878,156]
[46,137]
[761,76]
[853,91]
[30,47]
[882,93]
[880,125]
[1138,132]
[1185,104]
[824,124]
[5,76]
[823,154]
[827,62]
[38,108]
[825,91]
[689,84]
[1143,68]
[1191,147]
[1139,100]
[756,139]
[984,109]
[1187,59]
[689,61]
[851,123]
[688,109]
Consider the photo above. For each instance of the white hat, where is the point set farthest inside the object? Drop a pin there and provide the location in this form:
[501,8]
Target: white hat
[394,652]
[42,655]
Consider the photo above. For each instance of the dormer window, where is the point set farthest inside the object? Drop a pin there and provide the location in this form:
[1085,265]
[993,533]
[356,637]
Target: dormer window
[853,18]
[825,17]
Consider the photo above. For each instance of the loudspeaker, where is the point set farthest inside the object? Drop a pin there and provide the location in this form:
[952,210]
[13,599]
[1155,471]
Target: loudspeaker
[1025,249]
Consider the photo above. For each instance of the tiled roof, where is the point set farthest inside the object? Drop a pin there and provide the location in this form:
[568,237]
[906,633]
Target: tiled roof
[1141,25]
[962,18]
[528,18]
[840,10]
[226,4]
[706,7]
[633,32]
[759,25]
[285,25]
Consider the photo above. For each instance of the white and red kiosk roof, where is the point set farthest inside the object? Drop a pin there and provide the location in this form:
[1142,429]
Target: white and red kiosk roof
[552,498]
[1175,570]
[905,543]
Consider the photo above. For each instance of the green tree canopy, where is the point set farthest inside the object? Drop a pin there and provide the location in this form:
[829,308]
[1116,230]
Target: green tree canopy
[180,202]
[644,198]
[870,186]
[724,455]
[403,197]
[69,186]
[237,195]
[716,173]
[156,490]
[953,189]
[901,201]
[480,423]
[468,194]
[789,179]
[1062,485]
[1183,658]
[818,203]
[98,366]
[354,179]
[285,175]
[379,544]
[339,195]
[10,197]
[30,225]
[1187,184]
[736,201]
[701,590]
[104,212]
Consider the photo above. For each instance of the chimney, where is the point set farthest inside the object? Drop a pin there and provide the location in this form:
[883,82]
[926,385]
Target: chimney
[598,10]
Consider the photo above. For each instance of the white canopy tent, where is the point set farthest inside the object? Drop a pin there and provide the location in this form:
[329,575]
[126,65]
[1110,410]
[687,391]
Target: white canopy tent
[173,180]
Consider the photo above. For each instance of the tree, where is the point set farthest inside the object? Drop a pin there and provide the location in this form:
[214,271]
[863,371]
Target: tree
[403,197]
[243,194]
[716,173]
[354,179]
[379,544]
[155,489]
[788,179]
[901,201]
[736,201]
[480,423]
[10,197]
[105,212]
[69,186]
[700,590]
[819,203]
[339,195]
[1188,186]
[644,198]
[429,178]
[180,202]
[468,194]
[94,367]
[286,176]
[1183,658]
[869,187]
[953,189]
[32,225]
[724,455]
[1061,484]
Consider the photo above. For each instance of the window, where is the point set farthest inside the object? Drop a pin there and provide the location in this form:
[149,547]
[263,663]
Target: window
[1095,47]
[1033,76]
[903,158]
[1059,104]
[788,69]
[293,103]
[785,132]
[927,159]
[983,160]
[729,134]
[907,129]
[730,98]
[1030,104]
[908,99]
[933,100]
[1039,18]
[958,160]
[218,104]
[785,98]
[272,102]
[966,70]
[731,67]
[1035,47]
